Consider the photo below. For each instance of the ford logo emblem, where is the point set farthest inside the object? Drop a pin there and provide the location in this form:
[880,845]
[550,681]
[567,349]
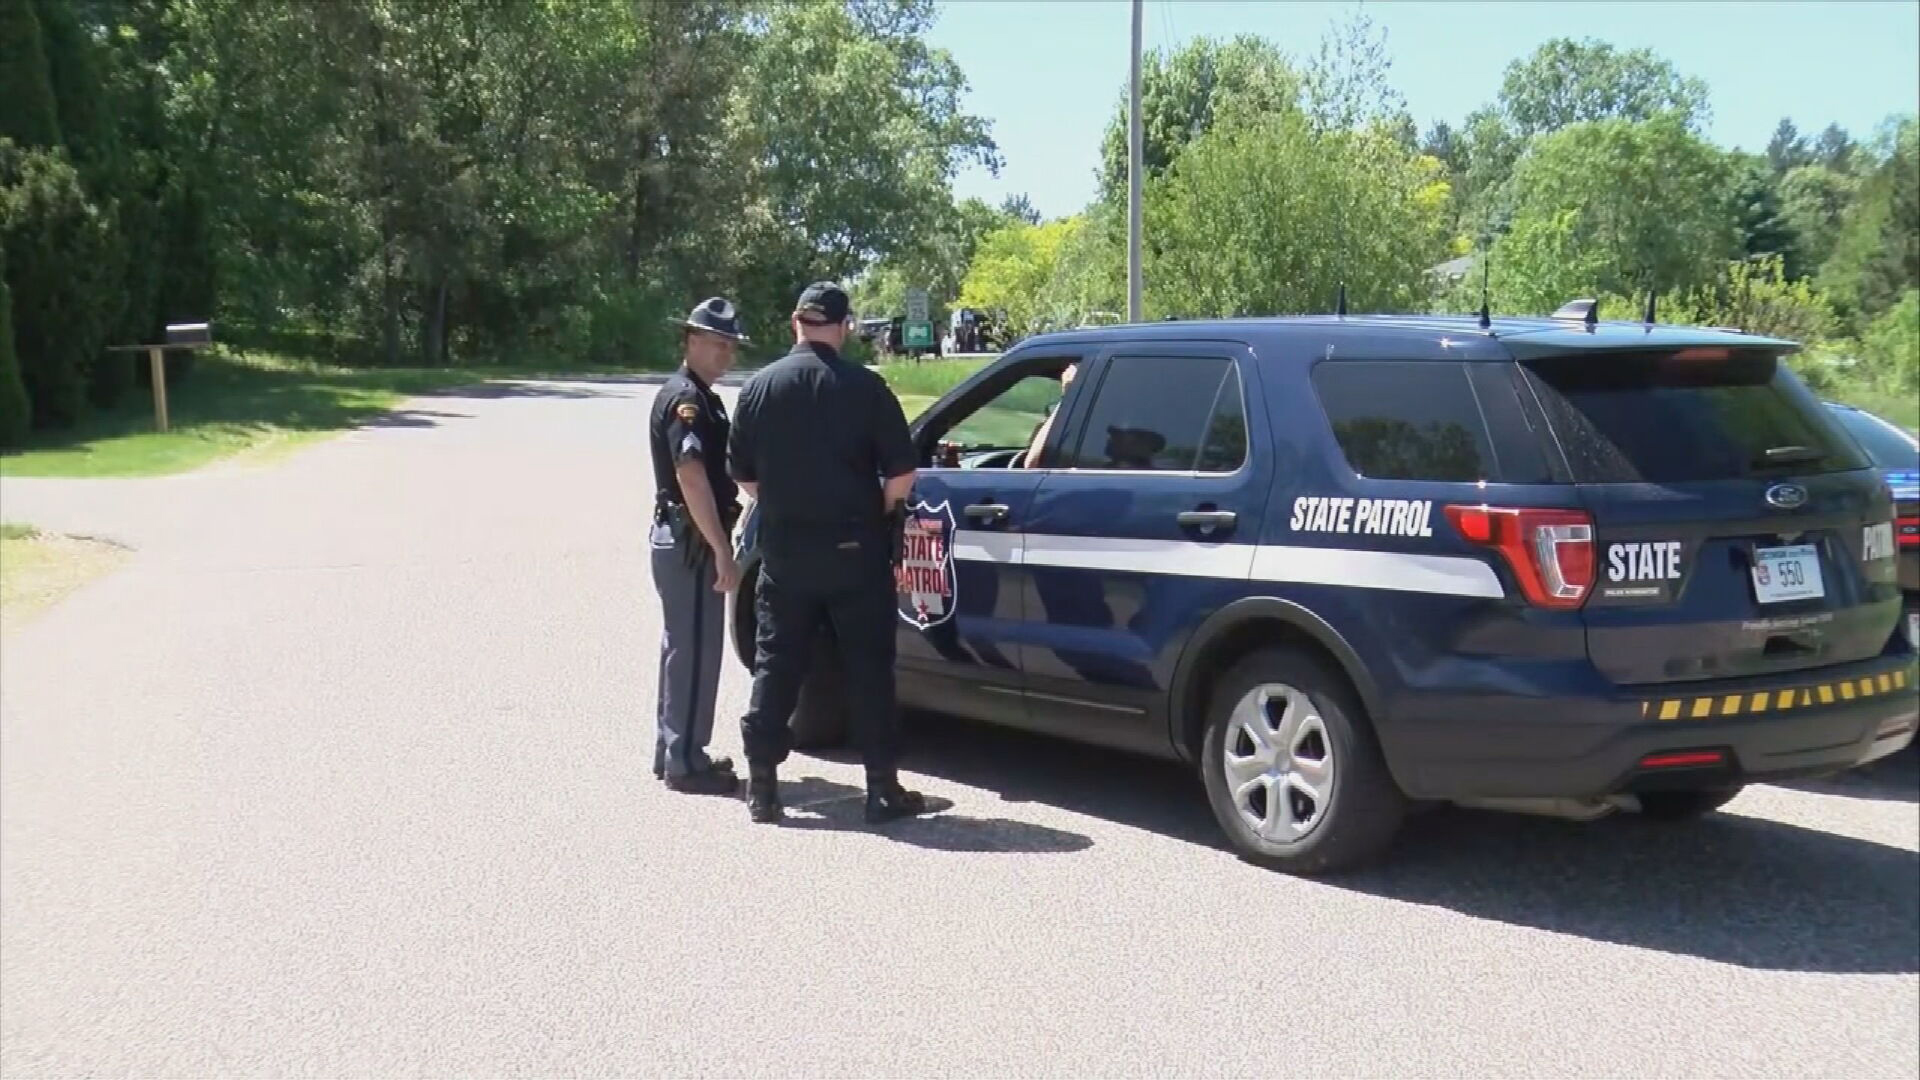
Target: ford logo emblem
[1786,496]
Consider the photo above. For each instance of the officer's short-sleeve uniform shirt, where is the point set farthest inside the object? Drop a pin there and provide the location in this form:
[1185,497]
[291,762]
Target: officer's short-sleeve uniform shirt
[818,434]
[689,423]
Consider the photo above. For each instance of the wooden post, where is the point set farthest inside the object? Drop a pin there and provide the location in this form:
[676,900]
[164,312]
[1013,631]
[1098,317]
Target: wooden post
[157,356]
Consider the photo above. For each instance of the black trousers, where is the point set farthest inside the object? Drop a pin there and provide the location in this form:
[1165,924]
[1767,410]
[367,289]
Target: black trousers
[806,584]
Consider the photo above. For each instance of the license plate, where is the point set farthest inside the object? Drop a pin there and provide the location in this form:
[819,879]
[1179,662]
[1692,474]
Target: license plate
[1783,574]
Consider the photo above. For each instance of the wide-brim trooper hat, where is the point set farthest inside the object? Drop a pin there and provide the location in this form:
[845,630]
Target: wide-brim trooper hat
[715,315]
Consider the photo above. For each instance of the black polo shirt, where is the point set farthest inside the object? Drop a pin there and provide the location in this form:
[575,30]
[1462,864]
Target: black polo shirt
[818,434]
[690,424]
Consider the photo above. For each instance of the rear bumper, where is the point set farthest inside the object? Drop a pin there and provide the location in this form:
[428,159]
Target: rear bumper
[1820,722]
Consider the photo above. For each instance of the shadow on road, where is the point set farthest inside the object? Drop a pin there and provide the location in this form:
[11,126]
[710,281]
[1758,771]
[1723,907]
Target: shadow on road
[495,391]
[1895,778]
[412,418]
[1735,889]
[816,803]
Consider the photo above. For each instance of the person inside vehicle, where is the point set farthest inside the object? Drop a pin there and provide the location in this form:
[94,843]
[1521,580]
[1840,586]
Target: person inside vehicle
[1032,460]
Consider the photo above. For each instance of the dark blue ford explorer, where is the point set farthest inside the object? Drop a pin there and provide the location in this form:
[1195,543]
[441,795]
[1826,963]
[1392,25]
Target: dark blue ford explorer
[1349,566]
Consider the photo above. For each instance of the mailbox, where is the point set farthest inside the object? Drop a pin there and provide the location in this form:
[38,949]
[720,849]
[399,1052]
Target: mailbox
[193,335]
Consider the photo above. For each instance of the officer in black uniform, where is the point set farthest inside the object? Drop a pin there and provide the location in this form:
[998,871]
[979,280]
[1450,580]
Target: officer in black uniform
[822,445]
[696,504]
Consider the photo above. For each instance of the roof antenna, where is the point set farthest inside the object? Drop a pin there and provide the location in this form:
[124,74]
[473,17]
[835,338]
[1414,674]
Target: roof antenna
[1649,307]
[1486,306]
[1593,315]
[1340,303]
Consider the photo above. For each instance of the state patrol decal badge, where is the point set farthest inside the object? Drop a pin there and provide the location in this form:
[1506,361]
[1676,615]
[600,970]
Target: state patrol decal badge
[923,581]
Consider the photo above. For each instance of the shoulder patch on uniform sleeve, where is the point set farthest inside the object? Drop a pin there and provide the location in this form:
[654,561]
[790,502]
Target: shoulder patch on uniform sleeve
[687,411]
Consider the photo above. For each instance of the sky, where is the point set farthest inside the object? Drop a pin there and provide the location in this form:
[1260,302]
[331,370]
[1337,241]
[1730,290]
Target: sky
[1048,75]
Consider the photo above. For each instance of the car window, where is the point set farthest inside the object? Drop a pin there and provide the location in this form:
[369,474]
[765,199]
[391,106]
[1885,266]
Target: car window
[1406,420]
[1009,420]
[1225,448]
[1888,446]
[1150,413]
[1665,418]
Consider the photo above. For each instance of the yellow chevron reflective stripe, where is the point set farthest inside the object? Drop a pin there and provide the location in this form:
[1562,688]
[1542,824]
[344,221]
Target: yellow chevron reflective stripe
[1798,697]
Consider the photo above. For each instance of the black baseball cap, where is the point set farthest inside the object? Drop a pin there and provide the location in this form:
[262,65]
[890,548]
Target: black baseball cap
[823,304]
[716,315]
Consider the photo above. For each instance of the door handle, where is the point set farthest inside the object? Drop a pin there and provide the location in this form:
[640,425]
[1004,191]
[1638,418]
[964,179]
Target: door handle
[1207,520]
[989,512]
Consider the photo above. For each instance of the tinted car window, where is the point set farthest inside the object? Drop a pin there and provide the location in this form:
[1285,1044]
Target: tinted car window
[1667,418]
[1398,420]
[1225,447]
[1150,413]
[1885,444]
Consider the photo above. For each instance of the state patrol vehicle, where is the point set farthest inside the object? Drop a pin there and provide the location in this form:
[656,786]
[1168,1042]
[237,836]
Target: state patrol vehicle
[1349,566]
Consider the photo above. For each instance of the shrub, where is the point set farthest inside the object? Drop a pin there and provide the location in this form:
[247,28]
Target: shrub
[16,412]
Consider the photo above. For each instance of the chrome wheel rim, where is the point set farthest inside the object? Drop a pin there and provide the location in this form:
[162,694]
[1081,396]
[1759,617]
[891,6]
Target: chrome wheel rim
[1278,763]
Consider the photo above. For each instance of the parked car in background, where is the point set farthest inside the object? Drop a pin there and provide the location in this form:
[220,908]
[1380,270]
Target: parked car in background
[1896,453]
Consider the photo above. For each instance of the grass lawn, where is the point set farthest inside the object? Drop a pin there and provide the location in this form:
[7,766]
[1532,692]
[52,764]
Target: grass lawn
[256,404]
[1009,421]
[37,569]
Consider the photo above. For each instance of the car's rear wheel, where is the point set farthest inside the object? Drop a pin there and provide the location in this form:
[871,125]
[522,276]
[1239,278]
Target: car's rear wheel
[1292,769]
[1685,805]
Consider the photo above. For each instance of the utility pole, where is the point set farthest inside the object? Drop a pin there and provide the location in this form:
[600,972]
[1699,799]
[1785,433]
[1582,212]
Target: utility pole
[1135,139]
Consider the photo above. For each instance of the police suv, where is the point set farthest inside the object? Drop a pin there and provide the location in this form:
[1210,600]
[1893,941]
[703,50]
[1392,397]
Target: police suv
[1349,566]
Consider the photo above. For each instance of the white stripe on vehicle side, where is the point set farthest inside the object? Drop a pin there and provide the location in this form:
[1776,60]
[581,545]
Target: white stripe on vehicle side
[1446,575]
[980,545]
[1183,557]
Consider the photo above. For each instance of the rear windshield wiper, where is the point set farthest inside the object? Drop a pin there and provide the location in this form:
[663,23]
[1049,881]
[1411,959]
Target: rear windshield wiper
[1791,455]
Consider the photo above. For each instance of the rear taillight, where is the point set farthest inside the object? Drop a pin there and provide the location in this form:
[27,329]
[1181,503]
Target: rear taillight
[1550,551]
[1906,531]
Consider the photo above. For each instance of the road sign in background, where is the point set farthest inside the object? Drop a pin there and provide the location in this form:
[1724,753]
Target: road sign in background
[917,331]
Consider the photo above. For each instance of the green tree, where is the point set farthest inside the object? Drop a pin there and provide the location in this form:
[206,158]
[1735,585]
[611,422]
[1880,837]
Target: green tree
[1876,256]
[1562,83]
[1011,272]
[16,412]
[854,129]
[1763,224]
[1890,349]
[1566,82]
[29,118]
[1274,216]
[1616,206]
[1813,201]
[1787,150]
[58,243]
[1185,92]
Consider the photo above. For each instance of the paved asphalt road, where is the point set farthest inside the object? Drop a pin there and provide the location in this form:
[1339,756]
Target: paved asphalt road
[346,774]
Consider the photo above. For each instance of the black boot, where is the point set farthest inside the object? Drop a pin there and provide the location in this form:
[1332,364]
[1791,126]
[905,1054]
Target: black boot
[763,794]
[888,801]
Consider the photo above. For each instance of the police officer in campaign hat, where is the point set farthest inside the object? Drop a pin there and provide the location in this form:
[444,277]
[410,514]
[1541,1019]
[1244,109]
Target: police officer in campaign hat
[821,444]
[696,504]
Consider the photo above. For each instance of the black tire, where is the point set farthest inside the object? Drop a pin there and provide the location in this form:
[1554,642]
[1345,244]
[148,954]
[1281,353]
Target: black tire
[819,721]
[1685,805]
[1365,808]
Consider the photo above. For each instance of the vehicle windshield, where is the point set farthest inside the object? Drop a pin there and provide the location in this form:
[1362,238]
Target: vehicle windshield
[1688,416]
[1888,446]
